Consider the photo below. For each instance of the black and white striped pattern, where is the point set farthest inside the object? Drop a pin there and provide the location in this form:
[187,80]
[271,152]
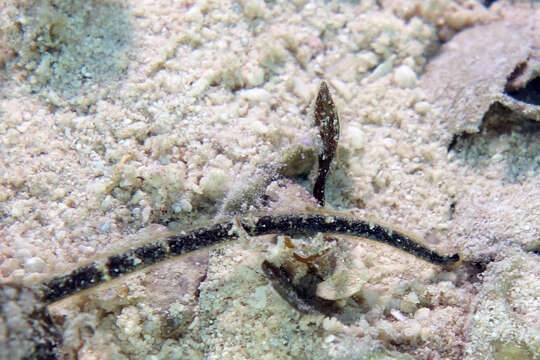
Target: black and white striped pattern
[148,254]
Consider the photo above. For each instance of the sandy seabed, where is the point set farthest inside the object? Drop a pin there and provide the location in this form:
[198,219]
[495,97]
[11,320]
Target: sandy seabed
[123,120]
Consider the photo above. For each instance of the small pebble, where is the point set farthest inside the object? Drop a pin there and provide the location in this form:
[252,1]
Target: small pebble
[405,77]
[422,107]
[398,315]
[34,264]
[422,313]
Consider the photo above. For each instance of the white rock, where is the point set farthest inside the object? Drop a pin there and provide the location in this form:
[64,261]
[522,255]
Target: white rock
[214,183]
[34,264]
[257,95]
[422,313]
[422,107]
[413,329]
[405,77]
[253,75]
[194,14]
[398,315]
[356,138]
[254,9]
[301,89]
[199,87]
[19,208]
[343,284]
[383,68]
[366,61]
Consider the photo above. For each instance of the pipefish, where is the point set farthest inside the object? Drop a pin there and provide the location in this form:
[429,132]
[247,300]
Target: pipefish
[117,265]
[35,335]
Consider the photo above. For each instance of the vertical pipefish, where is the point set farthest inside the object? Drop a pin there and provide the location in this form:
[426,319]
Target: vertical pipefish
[326,119]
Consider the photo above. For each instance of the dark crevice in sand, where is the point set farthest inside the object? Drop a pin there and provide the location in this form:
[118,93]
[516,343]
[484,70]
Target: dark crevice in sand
[504,136]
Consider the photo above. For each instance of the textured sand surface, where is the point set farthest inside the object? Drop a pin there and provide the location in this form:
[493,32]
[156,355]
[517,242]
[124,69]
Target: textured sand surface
[122,120]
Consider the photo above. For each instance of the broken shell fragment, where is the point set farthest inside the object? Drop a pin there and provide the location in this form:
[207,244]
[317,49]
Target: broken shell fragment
[343,284]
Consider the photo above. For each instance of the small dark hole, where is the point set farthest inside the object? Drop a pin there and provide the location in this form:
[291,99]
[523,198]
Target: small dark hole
[529,94]
[201,280]
[488,3]
[452,209]
[474,268]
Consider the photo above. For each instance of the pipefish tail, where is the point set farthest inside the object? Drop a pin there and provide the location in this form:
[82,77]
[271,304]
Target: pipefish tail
[103,270]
